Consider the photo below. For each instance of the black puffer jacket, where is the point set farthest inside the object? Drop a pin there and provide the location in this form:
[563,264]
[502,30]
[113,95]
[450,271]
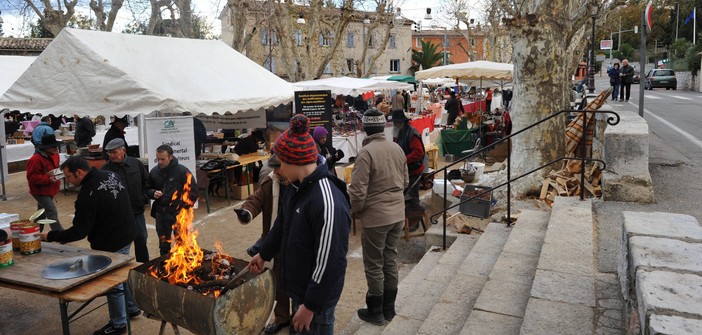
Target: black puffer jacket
[169,180]
[133,172]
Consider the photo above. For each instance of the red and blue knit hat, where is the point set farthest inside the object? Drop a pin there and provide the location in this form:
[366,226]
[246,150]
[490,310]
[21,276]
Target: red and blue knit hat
[296,146]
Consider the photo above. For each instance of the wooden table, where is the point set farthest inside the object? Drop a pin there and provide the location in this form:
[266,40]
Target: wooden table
[25,275]
[244,161]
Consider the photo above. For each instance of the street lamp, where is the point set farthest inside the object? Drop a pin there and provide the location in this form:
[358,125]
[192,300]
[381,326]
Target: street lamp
[428,16]
[301,19]
[591,75]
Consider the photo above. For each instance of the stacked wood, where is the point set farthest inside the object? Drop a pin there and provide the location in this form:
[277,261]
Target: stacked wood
[566,181]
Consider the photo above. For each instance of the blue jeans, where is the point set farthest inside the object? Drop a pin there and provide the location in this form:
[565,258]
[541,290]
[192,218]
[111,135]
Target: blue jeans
[140,250]
[115,300]
[615,92]
[322,322]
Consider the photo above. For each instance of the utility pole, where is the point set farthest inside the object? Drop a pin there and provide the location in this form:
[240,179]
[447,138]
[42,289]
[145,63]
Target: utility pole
[642,67]
[677,19]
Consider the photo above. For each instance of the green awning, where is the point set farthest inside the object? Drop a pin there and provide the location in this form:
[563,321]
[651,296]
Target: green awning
[404,79]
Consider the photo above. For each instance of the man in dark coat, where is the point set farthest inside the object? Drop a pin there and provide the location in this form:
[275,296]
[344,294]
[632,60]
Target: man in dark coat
[165,180]
[410,141]
[627,78]
[134,174]
[103,214]
[116,131]
[85,130]
[452,107]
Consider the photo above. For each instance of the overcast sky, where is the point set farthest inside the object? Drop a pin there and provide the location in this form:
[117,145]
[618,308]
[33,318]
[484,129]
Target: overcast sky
[411,9]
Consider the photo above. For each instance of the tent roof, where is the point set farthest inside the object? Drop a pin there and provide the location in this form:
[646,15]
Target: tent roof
[351,86]
[12,68]
[100,73]
[471,70]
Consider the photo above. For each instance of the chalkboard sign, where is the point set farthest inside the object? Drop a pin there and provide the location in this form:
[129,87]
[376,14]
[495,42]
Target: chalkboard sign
[316,105]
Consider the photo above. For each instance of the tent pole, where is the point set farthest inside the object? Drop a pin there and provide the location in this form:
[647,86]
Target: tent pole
[2,152]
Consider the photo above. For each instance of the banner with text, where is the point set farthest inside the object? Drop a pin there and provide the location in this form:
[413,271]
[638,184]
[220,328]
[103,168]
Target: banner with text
[605,44]
[316,105]
[176,131]
[240,120]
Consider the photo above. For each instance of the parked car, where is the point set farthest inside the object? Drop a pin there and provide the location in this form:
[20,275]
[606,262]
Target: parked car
[661,78]
[635,79]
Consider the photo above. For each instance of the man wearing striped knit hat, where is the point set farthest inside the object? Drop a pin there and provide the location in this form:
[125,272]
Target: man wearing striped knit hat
[310,235]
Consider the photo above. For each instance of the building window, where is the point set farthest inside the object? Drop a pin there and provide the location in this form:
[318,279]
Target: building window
[264,36]
[351,65]
[269,64]
[394,66]
[472,42]
[272,34]
[349,39]
[298,37]
[326,39]
[371,41]
[391,42]
[328,69]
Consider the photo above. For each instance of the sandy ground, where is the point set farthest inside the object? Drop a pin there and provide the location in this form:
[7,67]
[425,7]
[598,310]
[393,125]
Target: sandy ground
[27,313]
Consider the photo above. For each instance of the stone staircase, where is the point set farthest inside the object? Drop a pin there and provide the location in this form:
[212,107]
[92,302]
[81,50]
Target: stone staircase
[503,281]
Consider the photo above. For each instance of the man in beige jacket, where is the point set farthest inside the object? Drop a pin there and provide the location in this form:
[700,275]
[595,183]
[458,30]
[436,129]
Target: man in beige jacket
[379,179]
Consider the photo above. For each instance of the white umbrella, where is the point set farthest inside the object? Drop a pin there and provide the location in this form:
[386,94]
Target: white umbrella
[350,86]
[470,70]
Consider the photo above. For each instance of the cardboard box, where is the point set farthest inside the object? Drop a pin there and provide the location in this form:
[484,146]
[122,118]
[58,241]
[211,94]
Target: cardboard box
[242,192]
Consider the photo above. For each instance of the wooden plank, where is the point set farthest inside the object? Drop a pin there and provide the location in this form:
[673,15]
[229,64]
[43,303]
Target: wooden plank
[544,189]
[26,270]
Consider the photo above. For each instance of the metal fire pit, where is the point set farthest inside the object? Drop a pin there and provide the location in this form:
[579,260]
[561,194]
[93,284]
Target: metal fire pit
[241,310]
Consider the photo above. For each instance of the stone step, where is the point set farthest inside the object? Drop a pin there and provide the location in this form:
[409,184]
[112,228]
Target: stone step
[563,297]
[500,307]
[441,286]
[405,288]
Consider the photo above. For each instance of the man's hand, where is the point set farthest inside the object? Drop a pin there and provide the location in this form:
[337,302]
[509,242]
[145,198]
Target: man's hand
[302,319]
[243,215]
[256,264]
[157,194]
[43,236]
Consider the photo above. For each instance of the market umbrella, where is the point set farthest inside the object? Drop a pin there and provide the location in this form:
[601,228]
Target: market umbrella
[471,70]
[403,79]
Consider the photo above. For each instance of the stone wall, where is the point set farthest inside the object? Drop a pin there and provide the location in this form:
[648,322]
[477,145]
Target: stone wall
[686,81]
[624,148]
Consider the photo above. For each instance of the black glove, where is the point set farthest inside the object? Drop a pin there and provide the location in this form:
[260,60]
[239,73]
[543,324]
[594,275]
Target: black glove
[243,215]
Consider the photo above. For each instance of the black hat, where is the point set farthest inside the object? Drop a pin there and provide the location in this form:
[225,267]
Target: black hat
[399,116]
[48,141]
[373,121]
[121,119]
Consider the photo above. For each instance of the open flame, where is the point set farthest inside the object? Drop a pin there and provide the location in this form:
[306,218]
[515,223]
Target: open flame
[186,255]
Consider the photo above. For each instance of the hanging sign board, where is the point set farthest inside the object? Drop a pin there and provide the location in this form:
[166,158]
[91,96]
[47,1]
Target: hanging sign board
[605,44]
[316,105]
[176,131]
[239,120]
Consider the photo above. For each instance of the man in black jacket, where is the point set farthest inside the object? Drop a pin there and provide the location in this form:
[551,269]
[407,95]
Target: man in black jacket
[627,76]
[103,214]
[166,179]
[116,131]
[133,173]
[310,236]
[85,130]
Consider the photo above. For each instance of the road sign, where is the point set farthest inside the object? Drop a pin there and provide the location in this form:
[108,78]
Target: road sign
[600,58]
[647,15]
[606,45]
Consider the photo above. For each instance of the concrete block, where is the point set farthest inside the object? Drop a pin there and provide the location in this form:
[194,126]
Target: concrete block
[626,152]
[576,259]
[485,323]
[663,253]
[674,325]
[552,317]
[528,233]
[514,267]
[564,287]
[504,297]
[676,226]
[663,292]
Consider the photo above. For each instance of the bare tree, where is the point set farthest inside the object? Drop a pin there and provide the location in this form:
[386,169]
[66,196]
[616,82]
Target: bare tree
[179,23]
[53,18]
[105,21]
[548,38]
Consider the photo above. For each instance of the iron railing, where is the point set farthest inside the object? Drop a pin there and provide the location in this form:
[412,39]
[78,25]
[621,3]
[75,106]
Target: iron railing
[612,120]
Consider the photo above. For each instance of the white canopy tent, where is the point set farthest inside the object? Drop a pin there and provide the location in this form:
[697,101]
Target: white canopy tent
[351,86]
[12,68]
[99,73]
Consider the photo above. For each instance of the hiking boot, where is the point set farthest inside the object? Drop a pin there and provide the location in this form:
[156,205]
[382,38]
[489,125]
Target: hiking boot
[389,304]
[374,313]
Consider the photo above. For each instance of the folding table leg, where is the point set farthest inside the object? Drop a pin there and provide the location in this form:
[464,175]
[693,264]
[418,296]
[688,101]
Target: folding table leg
[63,305]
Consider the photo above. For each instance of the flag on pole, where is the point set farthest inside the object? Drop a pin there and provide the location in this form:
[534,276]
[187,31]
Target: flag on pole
[691,17]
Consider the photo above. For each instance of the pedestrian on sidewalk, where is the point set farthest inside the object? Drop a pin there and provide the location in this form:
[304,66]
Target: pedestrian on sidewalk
[311,233]
[103,214]
[615,80]
[134,174]
[379,179]
[627,76]
[43,184]
[265,201]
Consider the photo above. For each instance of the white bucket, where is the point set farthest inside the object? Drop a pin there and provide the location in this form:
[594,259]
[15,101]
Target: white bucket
[480,168]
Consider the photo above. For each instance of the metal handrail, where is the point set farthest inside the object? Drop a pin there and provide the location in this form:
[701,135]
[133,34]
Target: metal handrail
[612,120]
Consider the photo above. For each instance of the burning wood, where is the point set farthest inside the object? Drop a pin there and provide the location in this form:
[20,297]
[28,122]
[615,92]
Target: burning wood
[188,265]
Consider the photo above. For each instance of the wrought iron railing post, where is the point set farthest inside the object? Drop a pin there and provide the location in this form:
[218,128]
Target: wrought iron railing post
[445,206]
[583,141]
[509,182]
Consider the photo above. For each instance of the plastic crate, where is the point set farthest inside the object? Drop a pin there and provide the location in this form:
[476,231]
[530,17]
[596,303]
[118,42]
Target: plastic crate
[480,206]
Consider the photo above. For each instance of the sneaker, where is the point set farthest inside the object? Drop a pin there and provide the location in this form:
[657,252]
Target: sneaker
[627,100]
[111,330]
[134,314]
[275,327]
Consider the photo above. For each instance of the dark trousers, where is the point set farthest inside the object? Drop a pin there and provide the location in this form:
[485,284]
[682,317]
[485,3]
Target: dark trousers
[412,196]
[322,322]
[282,301]
[626,88]
[140,250]
[164,229]
[47,203]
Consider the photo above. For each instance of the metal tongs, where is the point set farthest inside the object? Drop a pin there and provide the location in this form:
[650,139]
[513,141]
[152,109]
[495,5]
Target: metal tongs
[232,283]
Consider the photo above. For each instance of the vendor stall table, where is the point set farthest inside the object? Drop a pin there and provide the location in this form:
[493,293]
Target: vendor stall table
[474,106]
[456,141]
[244,161]
[25,275]
[423,122]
